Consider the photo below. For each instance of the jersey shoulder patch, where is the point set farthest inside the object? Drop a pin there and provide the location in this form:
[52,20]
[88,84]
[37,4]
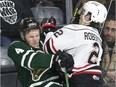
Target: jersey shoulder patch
[19,50]
[19,46]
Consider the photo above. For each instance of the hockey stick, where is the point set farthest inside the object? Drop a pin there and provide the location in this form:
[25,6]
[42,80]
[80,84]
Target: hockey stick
[66,77]
[62,70]
[75,11]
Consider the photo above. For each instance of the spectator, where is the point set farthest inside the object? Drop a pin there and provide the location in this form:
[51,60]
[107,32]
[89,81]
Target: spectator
[109,46]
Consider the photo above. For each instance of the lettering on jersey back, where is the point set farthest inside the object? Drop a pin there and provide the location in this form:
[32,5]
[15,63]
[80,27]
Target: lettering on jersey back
[91,36]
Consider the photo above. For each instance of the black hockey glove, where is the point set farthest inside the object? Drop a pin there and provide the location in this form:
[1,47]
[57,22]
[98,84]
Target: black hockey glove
[48,25]
[63,61]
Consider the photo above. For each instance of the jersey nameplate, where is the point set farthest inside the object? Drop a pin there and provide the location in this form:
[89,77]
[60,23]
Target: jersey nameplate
[91,36]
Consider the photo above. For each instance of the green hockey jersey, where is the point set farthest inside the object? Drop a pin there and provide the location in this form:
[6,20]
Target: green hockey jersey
[34,68]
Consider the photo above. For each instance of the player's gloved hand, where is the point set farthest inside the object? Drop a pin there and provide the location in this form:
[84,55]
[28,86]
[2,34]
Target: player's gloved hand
[48,25]
[64,61]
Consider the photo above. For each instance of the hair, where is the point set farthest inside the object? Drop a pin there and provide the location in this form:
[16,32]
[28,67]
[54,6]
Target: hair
[25,27]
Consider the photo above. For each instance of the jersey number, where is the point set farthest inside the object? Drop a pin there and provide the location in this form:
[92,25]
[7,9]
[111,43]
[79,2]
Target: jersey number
[58,33]
[94,54]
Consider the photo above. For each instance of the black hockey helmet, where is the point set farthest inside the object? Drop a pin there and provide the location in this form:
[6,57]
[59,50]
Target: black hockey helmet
[48,24]
[28,24]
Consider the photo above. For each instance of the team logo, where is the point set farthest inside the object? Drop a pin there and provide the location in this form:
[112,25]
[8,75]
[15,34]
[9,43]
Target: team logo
[8,11]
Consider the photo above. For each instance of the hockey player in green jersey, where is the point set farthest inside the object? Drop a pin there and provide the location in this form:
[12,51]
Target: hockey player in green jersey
[34,67]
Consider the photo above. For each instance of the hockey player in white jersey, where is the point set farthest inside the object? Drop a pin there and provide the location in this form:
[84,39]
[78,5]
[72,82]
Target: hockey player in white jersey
[83,42]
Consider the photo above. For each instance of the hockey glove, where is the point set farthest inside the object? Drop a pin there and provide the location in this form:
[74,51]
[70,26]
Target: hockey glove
[48,25]
[64,60]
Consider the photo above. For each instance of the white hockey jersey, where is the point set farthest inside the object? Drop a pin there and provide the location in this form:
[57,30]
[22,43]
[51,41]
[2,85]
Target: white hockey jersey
[82,42]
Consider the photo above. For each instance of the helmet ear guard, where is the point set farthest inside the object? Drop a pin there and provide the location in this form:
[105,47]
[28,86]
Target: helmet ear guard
[89,18]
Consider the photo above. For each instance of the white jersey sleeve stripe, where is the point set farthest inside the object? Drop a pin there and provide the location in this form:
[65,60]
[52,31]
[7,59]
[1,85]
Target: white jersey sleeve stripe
[24,57]
[84,68]
[53,47]
[49,47]
[44,48]
[30,60]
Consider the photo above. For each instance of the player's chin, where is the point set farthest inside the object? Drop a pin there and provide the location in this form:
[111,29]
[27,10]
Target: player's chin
[34,45]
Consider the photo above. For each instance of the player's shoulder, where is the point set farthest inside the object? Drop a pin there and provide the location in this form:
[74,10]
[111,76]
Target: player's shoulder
[77,27]
[18,43]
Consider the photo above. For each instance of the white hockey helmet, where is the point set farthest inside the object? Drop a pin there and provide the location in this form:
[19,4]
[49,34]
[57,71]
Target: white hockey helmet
[98,11]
